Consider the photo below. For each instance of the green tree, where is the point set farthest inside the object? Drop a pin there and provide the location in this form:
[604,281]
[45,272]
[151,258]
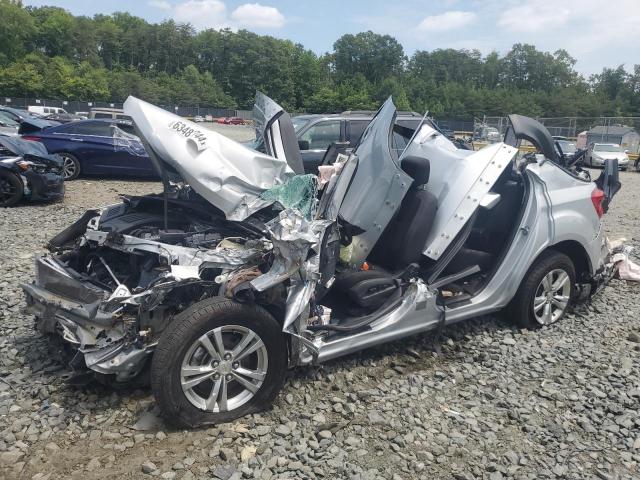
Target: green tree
[370,54]
[17,31]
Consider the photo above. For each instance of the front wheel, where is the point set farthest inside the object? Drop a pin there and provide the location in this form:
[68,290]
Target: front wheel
[70,166]
[545,293]
[11,189]
[217,361]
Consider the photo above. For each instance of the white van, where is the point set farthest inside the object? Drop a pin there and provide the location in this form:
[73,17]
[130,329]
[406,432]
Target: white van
[40,110]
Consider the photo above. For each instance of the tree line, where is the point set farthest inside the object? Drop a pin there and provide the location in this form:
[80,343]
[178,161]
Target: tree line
[48,52]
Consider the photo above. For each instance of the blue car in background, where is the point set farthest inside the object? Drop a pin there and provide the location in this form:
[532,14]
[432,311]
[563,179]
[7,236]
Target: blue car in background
[96,147]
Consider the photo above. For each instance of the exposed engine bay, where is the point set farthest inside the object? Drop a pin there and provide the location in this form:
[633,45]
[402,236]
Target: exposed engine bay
[137,274]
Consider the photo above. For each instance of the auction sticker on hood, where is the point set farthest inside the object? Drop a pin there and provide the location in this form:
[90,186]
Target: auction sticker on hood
[190,133]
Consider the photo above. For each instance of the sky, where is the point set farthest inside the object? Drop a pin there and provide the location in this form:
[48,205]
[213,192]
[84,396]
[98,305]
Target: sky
[597,33]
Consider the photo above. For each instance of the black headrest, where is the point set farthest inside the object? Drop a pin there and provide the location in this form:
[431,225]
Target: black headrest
[417,168]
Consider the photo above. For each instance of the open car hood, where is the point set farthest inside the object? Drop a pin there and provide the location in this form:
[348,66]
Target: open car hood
[226,173]
[28,149]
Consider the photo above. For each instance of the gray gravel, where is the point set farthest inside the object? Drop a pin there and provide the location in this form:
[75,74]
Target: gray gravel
[479,400]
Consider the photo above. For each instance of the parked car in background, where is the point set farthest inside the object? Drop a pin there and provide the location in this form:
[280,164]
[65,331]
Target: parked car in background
[198,119]
[487,134]
[598,153]
[96,147]
[17,113]
[110,114]
[84,115]
[316,132]
[208,118]
[28,171]
[8,125]
[64,117]
[233,121]
[42,110]
[568,147]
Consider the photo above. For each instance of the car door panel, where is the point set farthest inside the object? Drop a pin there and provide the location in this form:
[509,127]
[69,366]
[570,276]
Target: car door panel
[378,171]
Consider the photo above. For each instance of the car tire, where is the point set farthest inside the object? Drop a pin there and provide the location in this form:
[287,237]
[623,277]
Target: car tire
[545,292]
[11,189]
[196,381]
[70,167]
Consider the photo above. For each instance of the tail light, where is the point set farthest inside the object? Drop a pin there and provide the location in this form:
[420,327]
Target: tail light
[597,198]
[31,137]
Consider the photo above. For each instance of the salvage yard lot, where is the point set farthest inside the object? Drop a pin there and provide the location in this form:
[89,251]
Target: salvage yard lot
[480,399]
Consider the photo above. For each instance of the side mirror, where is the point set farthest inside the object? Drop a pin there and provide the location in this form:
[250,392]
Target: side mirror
[303,144]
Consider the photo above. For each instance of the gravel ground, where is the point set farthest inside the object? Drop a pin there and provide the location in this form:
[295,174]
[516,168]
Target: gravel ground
[482,399]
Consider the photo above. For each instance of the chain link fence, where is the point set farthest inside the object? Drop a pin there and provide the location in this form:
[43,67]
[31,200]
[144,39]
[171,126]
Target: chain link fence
[73,106]
[623,131]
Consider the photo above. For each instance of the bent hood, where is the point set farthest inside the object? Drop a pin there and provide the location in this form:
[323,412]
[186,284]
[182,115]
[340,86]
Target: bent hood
[227,174]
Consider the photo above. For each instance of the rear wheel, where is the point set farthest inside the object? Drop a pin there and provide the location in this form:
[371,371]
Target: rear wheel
[217,361]
[545,293]
[11,189]
[70,166]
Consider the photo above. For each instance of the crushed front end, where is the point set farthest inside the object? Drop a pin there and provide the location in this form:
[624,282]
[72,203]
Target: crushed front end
[116,277]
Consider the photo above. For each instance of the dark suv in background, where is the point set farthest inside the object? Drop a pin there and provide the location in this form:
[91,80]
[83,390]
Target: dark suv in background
[316,132]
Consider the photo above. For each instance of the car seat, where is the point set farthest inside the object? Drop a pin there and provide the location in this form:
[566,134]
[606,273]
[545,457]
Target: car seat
[399,247]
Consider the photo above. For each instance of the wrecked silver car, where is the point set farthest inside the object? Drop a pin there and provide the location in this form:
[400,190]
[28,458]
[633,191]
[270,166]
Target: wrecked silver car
[243,267]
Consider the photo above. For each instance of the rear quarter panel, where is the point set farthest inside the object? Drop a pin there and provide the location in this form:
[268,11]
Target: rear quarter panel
[558,208]
[574,216]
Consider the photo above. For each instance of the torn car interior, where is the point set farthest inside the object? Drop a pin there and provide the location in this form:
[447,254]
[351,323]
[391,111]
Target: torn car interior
[244,267]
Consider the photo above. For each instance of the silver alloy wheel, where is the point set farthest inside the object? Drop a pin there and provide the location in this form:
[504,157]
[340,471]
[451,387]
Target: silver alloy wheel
[552,296]
[68,166]
[224,368]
